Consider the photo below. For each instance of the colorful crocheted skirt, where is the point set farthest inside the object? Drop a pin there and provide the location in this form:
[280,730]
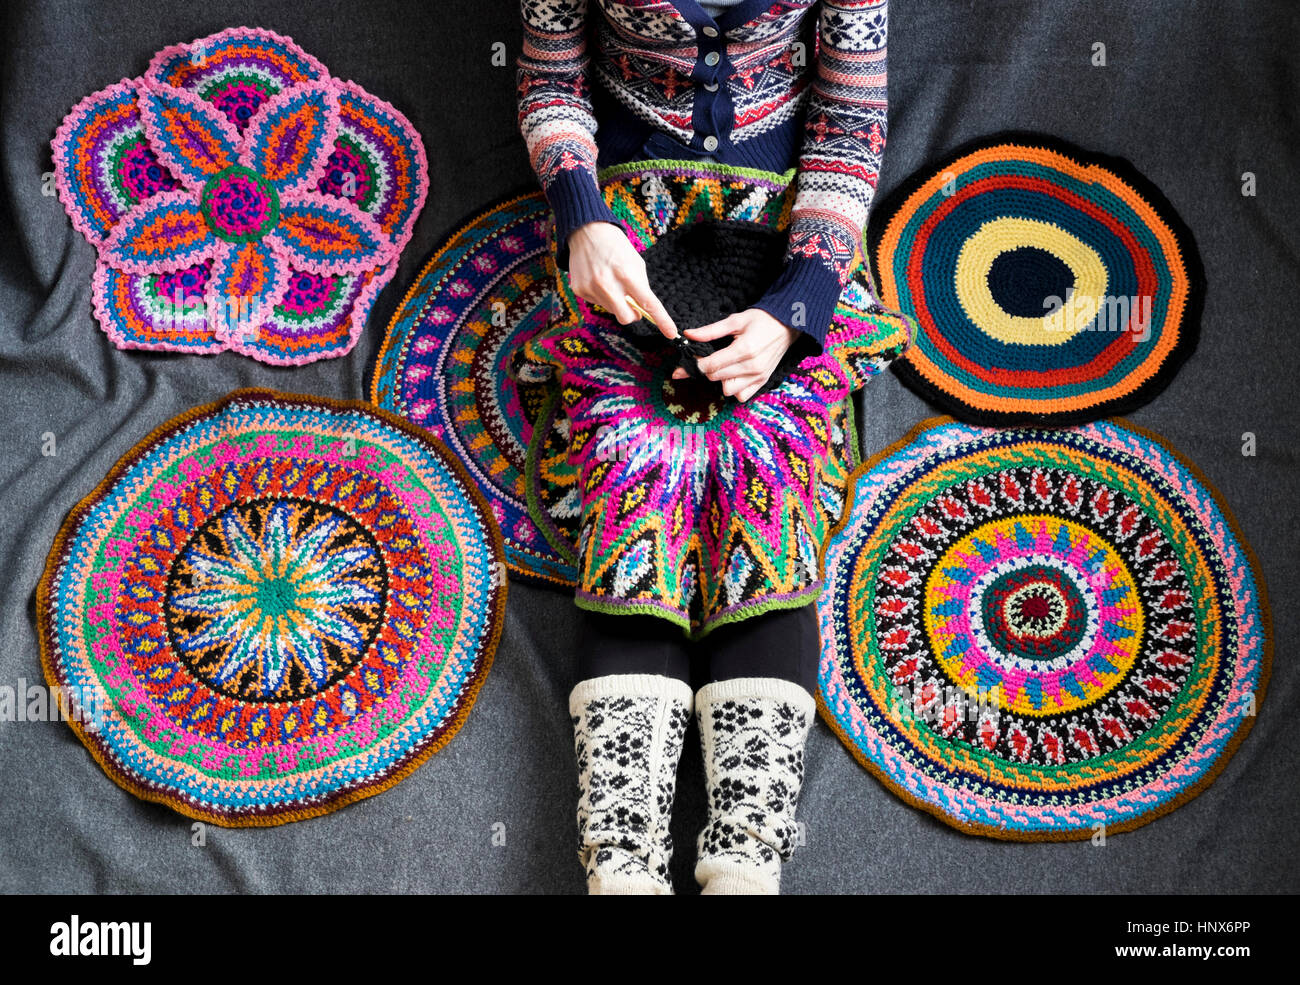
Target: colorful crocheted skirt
[689,505]
[271,607]
[1041,634]
[239,197]
[1052,285]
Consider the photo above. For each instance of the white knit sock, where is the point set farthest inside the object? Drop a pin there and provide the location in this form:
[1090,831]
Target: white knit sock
[627,737]
[753,731]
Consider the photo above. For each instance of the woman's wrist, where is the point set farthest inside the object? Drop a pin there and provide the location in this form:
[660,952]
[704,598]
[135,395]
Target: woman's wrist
[804,297]
[576,201]
[588,230]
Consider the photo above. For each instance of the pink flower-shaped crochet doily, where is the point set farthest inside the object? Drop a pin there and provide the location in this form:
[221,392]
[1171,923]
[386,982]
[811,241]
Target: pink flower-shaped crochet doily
[240,197]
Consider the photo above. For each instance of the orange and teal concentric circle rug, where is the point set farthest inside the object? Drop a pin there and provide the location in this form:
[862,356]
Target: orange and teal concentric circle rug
[1041,634]
[272,606]
[1051,284]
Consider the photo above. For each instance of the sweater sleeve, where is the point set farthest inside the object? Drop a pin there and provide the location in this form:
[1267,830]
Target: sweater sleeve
[839,164]
[555,112]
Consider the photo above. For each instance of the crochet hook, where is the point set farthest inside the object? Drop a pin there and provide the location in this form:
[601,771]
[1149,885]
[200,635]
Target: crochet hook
[679,338]
[638,309]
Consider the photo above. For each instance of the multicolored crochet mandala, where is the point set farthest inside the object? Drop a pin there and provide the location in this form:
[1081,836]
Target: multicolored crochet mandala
[240,197]
[1041,634]
[275,605]
[450,363]
[1052,285]
[693,506]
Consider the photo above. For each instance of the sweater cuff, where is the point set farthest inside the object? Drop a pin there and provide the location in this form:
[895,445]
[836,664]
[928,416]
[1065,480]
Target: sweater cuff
[575,199]
[804,297]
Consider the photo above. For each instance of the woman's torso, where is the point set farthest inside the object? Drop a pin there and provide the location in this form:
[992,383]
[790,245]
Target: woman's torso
[677,80]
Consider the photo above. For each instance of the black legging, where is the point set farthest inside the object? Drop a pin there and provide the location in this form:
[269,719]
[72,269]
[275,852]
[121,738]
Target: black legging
[783,643]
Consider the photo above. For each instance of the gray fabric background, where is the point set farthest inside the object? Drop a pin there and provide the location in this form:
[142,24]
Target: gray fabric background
[1194,94]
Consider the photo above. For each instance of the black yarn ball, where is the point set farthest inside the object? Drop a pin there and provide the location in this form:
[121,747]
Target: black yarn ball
[704,271]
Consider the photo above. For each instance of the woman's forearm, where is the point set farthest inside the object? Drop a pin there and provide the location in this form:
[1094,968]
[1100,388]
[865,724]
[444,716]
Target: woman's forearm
[839,163]
[844,132]
[555,111]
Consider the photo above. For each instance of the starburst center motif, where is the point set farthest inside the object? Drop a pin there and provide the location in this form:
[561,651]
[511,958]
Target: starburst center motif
[276,599]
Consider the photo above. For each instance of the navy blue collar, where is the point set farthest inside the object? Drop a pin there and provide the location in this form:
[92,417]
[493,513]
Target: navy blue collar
[741,13]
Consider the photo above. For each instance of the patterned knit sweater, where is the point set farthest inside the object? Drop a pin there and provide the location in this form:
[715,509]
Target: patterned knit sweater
[769,84]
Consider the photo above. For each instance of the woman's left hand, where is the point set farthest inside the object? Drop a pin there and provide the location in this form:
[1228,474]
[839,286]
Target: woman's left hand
[743,366]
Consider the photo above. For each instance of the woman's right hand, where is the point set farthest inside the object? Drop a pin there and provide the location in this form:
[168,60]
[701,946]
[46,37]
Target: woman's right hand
[605,268]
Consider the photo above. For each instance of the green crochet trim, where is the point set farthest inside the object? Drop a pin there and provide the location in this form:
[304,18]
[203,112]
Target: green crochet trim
[854,437]
[756,608]
[694,167]
[540,517]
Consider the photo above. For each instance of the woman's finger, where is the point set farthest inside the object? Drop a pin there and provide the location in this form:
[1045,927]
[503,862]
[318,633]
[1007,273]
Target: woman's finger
[716,330]
[735,355]
[612,297]
[639,290]
[740,384]
[745,367]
